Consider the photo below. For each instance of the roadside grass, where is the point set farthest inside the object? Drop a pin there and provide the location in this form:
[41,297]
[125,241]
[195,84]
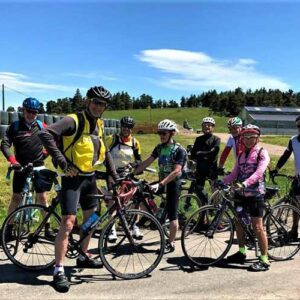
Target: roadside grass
[148,142]
[280,140]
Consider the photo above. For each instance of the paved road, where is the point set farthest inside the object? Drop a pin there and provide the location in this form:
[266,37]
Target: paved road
[173,279]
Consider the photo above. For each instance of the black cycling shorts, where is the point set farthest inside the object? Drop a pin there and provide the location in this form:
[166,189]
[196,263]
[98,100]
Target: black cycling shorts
[173,193]
[76,190]
[40,182]
[253,205]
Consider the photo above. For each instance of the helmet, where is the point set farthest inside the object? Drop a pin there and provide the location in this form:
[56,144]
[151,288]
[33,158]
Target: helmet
[208,120]
[32,103]
[234,122]
[250,129]
[127,121]
[99,92]
[167,125]
[297,119]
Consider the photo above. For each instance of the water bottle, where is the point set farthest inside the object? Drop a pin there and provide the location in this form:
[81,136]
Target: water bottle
[152,205]
[243,215]
[90,223]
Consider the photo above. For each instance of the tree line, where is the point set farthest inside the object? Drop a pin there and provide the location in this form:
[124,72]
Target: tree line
[222,103]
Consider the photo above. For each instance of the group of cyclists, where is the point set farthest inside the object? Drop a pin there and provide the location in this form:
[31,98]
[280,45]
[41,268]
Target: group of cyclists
[78,148]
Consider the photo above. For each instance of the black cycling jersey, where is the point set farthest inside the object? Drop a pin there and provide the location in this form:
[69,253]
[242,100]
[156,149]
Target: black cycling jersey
[27,145]
[286,155]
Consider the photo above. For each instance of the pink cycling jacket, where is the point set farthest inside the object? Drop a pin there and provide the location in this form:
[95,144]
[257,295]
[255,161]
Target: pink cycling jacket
[249,169]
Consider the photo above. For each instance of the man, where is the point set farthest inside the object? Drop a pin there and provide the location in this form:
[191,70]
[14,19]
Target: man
[249,171]
[23,135]
[235,126]
[171,159]
[293,147]
[205,153]
[80,152]
[124,148]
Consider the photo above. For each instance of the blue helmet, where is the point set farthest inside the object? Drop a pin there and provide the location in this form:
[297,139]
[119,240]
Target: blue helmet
[32,103]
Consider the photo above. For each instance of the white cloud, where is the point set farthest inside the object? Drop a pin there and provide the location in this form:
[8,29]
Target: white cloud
[22,83]
[92,75]
[188,70]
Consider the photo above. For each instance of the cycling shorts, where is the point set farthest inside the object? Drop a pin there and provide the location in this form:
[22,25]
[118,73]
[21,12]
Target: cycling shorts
[41,183]
[253,205]
[74,191]
[173,193]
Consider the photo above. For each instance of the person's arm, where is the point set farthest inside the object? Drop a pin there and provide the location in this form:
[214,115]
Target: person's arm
[52,134]
[176,172]
[143,165]
[224,156]
[194,150]
[137,152]
[233,175]
[263,163]
[6,145]
[285,156]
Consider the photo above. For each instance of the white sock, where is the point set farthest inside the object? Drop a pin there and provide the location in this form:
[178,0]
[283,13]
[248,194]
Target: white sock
[58,269]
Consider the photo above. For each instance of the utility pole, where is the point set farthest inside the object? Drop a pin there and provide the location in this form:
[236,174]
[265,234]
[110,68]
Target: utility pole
[3,98]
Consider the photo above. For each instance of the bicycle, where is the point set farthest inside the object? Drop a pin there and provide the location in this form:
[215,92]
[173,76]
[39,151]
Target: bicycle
[208,245]
[129,258]
[145,198]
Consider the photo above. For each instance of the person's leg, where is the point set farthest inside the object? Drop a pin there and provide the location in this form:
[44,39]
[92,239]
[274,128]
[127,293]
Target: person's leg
[257,224]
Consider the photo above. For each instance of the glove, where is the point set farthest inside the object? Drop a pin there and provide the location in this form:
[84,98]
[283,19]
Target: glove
[273,173]
[15,164]
[71,170]
[238,187]
[157,188]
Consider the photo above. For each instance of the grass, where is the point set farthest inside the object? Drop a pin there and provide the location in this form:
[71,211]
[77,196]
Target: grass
[280,140]
[192,115]
[148,142]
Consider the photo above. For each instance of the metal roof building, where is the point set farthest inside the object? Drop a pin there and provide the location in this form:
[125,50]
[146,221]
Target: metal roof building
[272,120]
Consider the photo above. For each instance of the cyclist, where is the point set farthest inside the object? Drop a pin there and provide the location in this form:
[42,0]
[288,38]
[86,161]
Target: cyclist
[77,147]
[293,147]
[124,148]
[249,193]
[171,159]
[23,135]
[235,126]
[205,153]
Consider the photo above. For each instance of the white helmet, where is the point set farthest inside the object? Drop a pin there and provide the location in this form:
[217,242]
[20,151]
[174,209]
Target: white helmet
[167,125]
[208,120]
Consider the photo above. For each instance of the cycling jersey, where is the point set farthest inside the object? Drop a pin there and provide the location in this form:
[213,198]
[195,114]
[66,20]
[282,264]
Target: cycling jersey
[232,143]
[27,145]
[249,169]
[124,150]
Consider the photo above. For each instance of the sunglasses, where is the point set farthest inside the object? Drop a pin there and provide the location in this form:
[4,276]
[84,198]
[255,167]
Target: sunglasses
[99,102]
[162,132]
[249,137]
[127,126]
[33,112]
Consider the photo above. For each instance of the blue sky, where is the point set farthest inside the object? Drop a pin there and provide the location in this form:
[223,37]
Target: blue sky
[167,49]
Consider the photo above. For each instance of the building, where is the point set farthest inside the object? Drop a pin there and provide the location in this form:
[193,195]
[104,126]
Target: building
[271,120]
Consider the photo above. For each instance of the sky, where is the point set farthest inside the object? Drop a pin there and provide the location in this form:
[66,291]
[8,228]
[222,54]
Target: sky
[167,49]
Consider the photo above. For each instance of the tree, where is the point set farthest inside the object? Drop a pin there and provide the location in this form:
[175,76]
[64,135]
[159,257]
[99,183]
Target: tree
[77,102]
[10,109]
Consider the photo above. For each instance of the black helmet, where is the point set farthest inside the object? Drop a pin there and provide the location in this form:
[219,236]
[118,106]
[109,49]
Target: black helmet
[127,121]
[99,92]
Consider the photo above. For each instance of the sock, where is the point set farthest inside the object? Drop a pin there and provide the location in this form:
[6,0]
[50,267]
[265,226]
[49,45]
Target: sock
[58,269]
[264,258]
[242,250]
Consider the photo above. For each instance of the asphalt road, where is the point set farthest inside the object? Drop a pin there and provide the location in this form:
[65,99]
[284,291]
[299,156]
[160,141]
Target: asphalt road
[173,279]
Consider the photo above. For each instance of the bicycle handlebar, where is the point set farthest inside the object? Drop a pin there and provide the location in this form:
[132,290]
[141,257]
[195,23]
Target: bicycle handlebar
[272,176]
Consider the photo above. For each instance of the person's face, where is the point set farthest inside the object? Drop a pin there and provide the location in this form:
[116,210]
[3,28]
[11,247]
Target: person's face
[235,130]
[126,131]
[30,115]
[164,135]
[207,128]
[250,140]
[97,107]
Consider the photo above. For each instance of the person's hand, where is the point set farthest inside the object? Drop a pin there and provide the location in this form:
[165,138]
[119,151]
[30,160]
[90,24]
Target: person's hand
[218,183]
[238,187]
[273,173]
[14,163]
[71,171]
[157,188]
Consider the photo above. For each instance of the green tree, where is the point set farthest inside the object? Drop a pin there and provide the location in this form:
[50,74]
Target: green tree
[10,109]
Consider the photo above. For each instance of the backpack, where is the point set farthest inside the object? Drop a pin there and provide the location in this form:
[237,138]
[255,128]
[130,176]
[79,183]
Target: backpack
[116,142]
[16,126]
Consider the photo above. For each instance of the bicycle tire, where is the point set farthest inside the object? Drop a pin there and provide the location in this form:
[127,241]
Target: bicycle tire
[128,261]
[202,243]
[280,227]
[23,250]
[187,205]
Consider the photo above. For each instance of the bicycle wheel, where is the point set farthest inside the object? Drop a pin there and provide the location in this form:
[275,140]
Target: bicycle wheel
[283,231]
[132,256]
[28,247]
[202,243]
[187,205]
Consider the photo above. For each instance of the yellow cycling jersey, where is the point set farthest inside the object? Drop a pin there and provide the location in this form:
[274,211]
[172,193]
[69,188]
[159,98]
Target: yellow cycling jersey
[88,152]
